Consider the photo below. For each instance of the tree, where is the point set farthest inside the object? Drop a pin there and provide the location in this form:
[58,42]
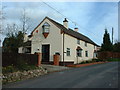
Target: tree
[116,47]
[15,34]
[13,40]
[9,44]
[25,21]
[2,17]
[107,45]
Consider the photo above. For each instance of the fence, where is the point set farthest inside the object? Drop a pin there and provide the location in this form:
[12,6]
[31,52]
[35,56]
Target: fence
[107,55]
[16,58]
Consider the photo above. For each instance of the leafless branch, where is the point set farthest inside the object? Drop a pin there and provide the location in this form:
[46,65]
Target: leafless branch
[25,20]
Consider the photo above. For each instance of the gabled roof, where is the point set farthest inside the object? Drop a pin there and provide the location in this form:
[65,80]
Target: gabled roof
[69,31]
[72,32]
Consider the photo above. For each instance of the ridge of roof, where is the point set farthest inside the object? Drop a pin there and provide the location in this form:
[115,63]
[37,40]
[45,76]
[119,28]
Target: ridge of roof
[72,32]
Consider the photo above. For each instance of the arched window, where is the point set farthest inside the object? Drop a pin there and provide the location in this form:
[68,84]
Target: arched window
[46,27]
[79,52]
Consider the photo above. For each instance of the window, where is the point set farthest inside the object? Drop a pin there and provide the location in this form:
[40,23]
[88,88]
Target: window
[95,55]
[86,53]
[79,53]
[27,50]
[68,52]
[78,41]
[46,27]
[86,44]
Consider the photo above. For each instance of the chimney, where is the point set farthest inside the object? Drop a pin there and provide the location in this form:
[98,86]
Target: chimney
[76,29]
[65,23]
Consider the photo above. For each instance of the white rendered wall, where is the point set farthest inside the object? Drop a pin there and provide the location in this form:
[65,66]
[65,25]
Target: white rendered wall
[54,39]
[71,42]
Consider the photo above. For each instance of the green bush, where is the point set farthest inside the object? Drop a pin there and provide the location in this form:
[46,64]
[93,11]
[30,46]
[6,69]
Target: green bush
[96,60]
[28,67]
[23,64]
[113,59]
[11,69]
[20,65]
[8,69]
[83,62]
[93,60]
[88,61]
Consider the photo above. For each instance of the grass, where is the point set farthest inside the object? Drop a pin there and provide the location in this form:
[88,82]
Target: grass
[113,59]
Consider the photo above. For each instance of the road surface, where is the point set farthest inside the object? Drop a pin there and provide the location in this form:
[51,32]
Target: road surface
[94,76]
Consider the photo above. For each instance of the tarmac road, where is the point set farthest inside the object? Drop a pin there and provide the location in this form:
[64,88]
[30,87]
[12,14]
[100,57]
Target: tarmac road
[94,76]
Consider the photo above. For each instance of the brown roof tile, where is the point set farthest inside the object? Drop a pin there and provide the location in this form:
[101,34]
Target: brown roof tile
[72,32]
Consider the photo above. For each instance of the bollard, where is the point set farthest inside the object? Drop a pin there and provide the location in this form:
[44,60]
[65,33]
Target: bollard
[56,59]
[39,59]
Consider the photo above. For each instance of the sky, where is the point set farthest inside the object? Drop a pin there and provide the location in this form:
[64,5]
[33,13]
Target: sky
[91,18]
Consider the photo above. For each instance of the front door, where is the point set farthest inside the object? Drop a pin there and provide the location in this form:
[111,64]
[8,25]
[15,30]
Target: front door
[45,53]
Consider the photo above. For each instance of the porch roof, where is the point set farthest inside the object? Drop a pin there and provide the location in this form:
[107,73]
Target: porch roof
[27,44]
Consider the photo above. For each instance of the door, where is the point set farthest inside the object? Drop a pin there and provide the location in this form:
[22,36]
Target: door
[45,53]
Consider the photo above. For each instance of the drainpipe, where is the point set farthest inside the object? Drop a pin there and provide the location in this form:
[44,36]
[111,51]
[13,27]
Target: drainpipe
[63,50]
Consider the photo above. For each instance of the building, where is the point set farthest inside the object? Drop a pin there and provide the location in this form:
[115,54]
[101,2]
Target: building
[51,37]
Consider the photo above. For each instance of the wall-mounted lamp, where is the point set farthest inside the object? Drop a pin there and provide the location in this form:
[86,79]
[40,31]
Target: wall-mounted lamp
[38,49]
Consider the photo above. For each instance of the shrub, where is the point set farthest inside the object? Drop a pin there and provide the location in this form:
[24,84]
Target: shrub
[28,67]
[93,60]
[100,60]
[11,69]
[113,59]
[21,64]
[96,60]
[8,69]
[88,61]
[83,62]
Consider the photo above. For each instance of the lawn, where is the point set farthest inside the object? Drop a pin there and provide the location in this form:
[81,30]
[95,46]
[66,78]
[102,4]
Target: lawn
[114,59]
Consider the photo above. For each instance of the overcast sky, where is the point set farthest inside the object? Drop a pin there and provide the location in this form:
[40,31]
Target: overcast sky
[91,17]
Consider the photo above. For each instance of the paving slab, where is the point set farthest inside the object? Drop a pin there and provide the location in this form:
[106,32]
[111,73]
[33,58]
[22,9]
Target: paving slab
[54,68]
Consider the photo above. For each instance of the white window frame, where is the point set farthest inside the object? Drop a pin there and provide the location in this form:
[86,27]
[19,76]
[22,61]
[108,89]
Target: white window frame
[79,53]
[68,52]
[86,53]
[46,28]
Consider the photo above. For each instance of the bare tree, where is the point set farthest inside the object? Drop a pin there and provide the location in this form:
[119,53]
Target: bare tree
[12,29]
[13,39]
[26,21]
[2,17]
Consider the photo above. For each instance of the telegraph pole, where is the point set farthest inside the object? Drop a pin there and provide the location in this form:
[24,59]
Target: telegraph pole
[112,35]
[119,21]
[112,41]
